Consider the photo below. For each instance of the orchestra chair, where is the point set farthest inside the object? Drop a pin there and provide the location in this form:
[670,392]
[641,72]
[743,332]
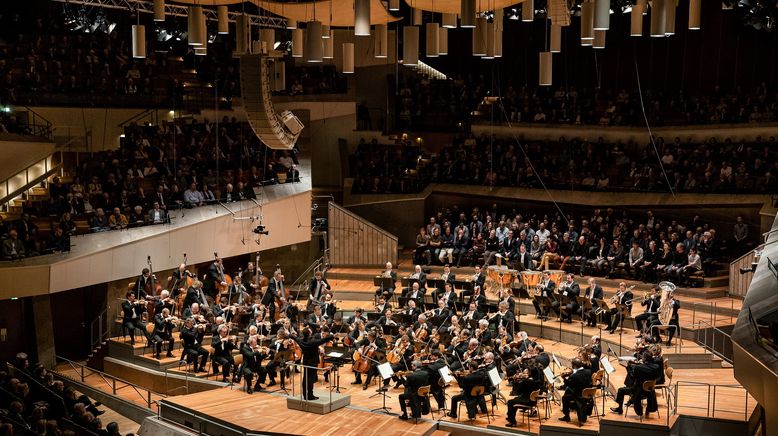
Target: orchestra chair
[149,332]
[424,393]
[648,387]
[526,411]
[477,392]
[238,358]
[666,388]
[209,367]
[589,394]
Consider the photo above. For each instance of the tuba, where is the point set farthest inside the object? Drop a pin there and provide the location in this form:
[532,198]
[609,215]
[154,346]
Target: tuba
[665,308]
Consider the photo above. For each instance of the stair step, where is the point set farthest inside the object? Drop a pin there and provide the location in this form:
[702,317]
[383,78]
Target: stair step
[716,281]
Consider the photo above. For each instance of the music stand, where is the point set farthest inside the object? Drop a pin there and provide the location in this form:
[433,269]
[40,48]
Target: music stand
[585,304]
[606,365]
[282,359]
[385,371]
[383,283]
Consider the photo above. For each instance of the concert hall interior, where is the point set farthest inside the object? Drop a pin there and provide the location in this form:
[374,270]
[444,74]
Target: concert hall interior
[405,217]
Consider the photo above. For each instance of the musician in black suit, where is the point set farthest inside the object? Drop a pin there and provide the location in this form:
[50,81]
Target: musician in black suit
[310,348]
[542,359]
[447,277]
[252,364]
[593,292]
[418,378]
[275,290]
[478,298]
[386,319]
[132,311]
[674,305]
[574,385]
[596,353]
[178,280]
[503,317]
[418,276]
[358,315]
[214,276]
[195,294]
[328,308]
[637,373]
[530,381]
[471,313]
[441,313]
[523,259]
[317,288]
[382,306]
[614,317]
[448,295]
[433,370]
[163,332]
[415,292]
[143,285]
[571,291]
[478,280]
[412,310]
[315,319]
[546,287]
[192,338]
[371,341]
[479,377]
[387,273]
[222,352]
[648,317]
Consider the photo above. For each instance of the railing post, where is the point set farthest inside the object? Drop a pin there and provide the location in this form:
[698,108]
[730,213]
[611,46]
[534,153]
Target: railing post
[148,398]
[113,382]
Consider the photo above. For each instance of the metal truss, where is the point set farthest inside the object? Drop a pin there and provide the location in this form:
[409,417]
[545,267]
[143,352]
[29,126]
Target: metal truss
[175,10]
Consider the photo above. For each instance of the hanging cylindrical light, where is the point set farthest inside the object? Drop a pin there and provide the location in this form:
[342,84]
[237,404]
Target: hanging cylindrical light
[658,18]
[599,39]
[449,21]
[556,38]
[196,30]
[394,5]
[528,11]
[313,47]
[159,10]
[348,58]
[602,14]
[545,66]
[268,39]
[636,18]
[138,41]
[381,40]
[362,17]
[433,40]
[479,37]
[418,17]
[670,17]
[325,31]
[410,45]
[242,34]
[223,23]
[291,24]
[587,22]
[328,45]
[201,50]
[489,35]
[298,36]
[443,41]
[695,9]
[467,13]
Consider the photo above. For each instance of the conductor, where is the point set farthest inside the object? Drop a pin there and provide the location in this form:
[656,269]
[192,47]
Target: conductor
[310,348]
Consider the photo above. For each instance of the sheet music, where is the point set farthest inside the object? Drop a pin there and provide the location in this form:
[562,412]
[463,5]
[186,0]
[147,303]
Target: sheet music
[606,365]
[335,354]
[445,374]
[385,369]
[494,376]
[556,361]
[549,375]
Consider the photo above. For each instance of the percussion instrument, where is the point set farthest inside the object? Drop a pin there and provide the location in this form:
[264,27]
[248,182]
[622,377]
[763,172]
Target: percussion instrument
[530,279]
[557,276]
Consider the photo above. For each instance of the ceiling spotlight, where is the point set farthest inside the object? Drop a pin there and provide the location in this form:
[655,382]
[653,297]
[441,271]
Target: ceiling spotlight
[513,14]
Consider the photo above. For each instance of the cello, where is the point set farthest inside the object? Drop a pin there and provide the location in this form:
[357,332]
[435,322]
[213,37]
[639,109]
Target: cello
[364,357]
[223,281]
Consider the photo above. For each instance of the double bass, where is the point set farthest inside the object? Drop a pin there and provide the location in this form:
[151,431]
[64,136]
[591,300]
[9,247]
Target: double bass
[180,286]
[223,282]
[152,290]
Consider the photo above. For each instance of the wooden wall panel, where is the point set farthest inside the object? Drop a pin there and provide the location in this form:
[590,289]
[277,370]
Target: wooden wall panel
[356,241]
[739,283]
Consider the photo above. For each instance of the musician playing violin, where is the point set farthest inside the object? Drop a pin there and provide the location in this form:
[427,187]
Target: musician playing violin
[418,378]
[524,383]
[479,377]
[252,363]
[164,302]
[163,332]
[282,342]
[192,337]
[132,311]
[222,354]
[574,385]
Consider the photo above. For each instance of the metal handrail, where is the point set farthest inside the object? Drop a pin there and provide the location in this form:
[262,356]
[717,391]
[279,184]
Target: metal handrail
[710,409]
[82,369]
[704,342]
[302,279]
[102,334]
[713,305]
